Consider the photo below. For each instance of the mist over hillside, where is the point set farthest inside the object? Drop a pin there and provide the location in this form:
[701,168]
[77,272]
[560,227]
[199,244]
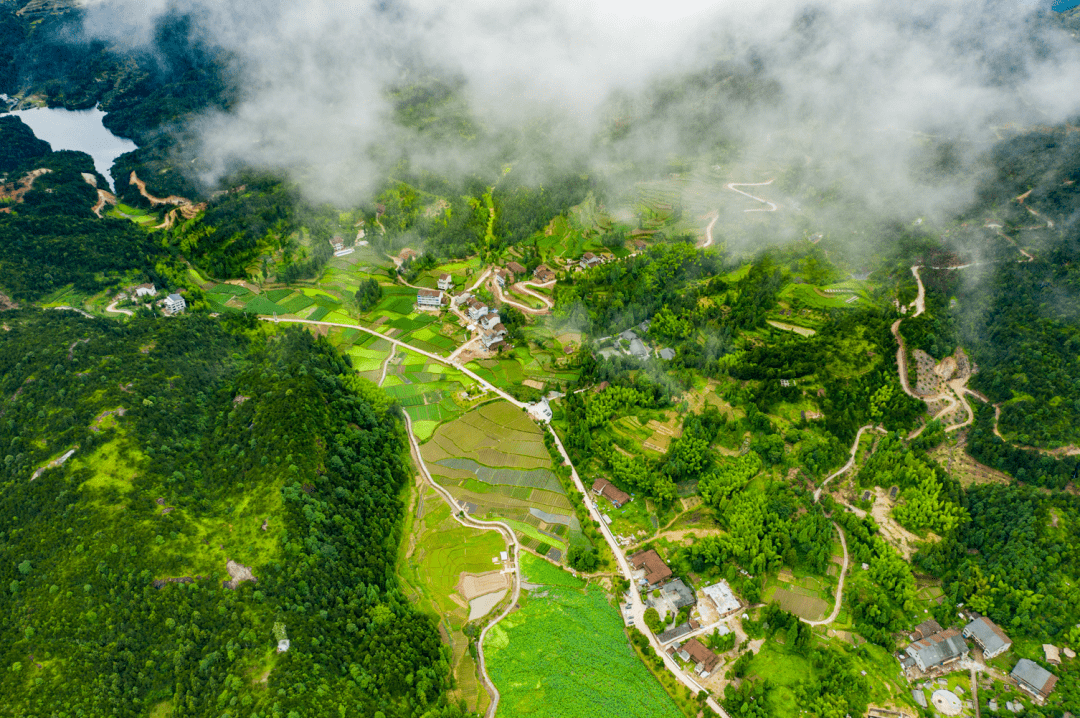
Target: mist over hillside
[896,102]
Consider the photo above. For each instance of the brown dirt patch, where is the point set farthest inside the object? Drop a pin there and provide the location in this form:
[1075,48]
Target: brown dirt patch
[14,191]
[472,585]
[239,573]
[903,540]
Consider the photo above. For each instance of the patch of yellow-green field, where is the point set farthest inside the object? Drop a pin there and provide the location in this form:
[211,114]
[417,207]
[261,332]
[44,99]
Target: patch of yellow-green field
[424,429]
[162,710]
[802,331]
[113,464]
[313,292]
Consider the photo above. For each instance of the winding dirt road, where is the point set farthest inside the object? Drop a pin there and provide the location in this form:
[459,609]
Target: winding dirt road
[772,205]
[112,309]
[465,520]
[501,297]
[708,230]
[851,462]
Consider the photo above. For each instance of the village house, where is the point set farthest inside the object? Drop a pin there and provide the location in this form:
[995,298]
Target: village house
[1033,678]
[589,260]
[638,349]
[705,660]
[429,298]
[678,594]
[927,628]
[489,320]
[175,304]
[446,282]
[463,298]
[654,570]
[516,269]
[543,274]
[492,341]
[667,354]
[1052,654]
[145,290]
[477,309]
[938,649]
[338,245]
[611,492]
[502,277]
[989,637]
[639,245]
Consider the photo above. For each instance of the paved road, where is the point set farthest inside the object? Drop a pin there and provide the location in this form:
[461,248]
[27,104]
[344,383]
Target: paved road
[442,360]
[638,606]
[111,309]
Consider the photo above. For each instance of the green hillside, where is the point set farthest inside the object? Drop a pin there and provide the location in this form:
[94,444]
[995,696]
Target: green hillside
[196,444]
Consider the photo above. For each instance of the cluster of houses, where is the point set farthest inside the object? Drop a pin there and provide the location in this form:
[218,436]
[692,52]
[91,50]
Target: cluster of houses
[338,245]
[933,648]
[172,304]
[631,344]
[669,594]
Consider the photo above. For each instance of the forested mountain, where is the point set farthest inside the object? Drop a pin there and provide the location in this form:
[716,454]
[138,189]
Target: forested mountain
[197,443]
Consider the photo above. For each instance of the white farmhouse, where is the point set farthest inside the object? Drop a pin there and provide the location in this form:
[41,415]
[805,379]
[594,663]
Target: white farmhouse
[175,304]
[446,282]
[429,298]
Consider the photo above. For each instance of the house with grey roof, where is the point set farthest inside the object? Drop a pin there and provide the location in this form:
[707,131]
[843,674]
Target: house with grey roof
[1033,678]
[174,304]
[990,638]
[638,349]
[667,354]
[678,594]
[938,650]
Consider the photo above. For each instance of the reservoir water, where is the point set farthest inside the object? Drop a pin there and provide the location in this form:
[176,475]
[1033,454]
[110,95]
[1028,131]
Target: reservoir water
[80,130]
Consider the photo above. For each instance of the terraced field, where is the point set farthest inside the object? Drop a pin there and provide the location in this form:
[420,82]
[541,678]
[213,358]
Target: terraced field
[494,459]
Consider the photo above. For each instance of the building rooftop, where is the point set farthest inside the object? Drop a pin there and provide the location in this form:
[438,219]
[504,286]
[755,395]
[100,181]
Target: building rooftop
[674,633]
[987,634]
[939,648]
[610,491]
[1034,676]
[515,268]
[700,654]
[679,594]
[428,293]
[638,349]
[926,628]
[655,568]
